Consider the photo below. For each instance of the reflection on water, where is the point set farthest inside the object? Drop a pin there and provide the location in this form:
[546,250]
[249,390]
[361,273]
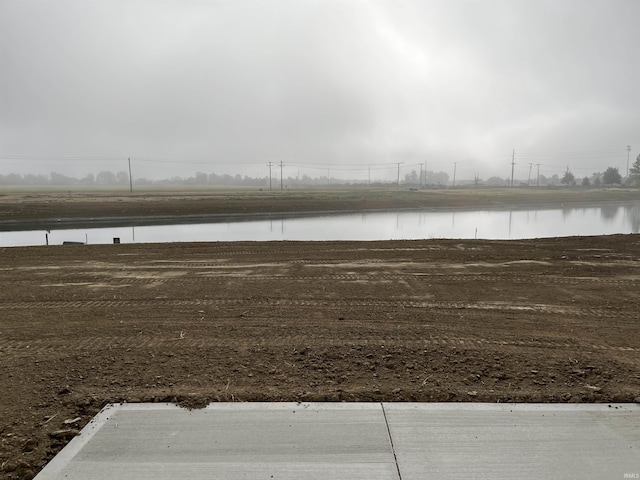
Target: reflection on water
[633,215]
[487,224]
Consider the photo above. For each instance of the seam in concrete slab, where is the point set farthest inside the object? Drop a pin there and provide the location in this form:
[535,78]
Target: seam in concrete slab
[393,450]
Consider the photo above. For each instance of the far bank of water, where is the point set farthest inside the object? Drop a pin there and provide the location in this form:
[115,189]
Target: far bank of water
[503,224]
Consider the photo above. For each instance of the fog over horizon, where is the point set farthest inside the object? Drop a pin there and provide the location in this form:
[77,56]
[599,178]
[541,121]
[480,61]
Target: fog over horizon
[327,87]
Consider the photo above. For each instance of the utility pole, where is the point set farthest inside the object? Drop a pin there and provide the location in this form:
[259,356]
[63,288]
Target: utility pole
[398,181]
[538,182]
[269,164]
[425,174]
[369,174]
[131,178]
[455,165]
[281,187]
[513,162]
[420,175]
[628,152]
[529,179]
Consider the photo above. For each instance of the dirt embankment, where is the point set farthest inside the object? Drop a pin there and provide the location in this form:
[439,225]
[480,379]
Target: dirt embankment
[549,320]
[34,208]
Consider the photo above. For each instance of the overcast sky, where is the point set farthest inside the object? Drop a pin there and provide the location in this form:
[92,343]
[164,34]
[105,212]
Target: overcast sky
[231,85]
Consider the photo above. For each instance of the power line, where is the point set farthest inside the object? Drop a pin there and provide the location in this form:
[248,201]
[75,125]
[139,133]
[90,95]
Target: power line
[571,155]
[28,158]
[546,161]
[144,159]
[193,162]
[353,169]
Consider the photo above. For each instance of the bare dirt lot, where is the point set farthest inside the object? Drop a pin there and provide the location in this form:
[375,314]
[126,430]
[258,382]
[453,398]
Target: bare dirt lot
[550,320]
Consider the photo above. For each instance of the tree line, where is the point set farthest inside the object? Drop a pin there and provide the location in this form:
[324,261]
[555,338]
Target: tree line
[54,178]
[203,179]
[611,176]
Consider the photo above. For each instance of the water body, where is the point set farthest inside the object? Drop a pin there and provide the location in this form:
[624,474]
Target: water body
[516,223]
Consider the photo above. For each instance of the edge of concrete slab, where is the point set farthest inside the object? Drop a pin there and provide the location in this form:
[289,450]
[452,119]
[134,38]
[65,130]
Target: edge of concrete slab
[270,406]
[521,407]
[66,456]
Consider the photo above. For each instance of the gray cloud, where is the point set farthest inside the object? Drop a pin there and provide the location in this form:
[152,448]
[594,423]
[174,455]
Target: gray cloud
[320,82]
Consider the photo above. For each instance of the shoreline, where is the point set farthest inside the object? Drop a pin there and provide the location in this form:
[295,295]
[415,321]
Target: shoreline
[69,223]
[45,206]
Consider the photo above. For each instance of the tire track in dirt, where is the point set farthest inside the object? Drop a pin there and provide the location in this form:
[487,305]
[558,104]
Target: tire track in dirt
[43,346]
[275,254]
[225,274]
[337,304]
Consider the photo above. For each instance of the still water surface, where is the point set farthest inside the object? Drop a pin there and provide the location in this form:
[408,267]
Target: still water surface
[486,224]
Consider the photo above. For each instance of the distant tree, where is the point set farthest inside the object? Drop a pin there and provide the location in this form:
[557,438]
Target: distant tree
[634,173]
[88,180]
[122,178]
[11,179]
[33,179]
[586,182]
[411,178]
[437,178]
[495,182]
[189,181]
[105,178]
[611,176]
[201,178]
[568,178]
[60,179]
[227,179]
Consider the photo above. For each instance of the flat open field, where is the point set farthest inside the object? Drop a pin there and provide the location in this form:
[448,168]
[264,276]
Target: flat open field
[36,208]
[550,320]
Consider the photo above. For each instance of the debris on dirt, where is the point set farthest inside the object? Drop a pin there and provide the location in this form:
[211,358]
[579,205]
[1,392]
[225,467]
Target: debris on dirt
[66,434]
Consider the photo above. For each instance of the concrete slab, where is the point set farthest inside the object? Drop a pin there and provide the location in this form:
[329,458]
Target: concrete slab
[355,441]
[510,441]
[225,441]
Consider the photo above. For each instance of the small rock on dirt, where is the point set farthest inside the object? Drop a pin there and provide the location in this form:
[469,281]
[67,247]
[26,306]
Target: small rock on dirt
[66,434]
[29,445]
